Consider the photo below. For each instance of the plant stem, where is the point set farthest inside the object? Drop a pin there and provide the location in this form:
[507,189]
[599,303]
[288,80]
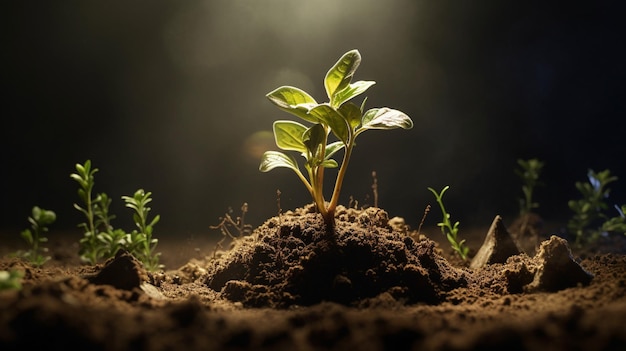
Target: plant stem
[338,183]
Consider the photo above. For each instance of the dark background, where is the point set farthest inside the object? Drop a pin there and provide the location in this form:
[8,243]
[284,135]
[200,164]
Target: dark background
[169,96]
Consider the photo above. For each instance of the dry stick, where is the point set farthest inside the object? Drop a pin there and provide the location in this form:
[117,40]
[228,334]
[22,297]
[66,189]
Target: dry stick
[353,203]
[375,188]
[280,210]
[227,220]
[426,210]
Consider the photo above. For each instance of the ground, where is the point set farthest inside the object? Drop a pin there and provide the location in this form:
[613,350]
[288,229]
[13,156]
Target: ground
[291,286]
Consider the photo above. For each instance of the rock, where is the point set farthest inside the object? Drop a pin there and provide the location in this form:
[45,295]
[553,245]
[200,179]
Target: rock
[123,272]
[557,268]
[497,247]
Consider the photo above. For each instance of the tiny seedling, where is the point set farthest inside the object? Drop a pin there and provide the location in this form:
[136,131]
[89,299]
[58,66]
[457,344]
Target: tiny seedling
[90,246]
[11,280]
[110,240]
[529,173]
[39,220]
[344,119]
[100,240]
[140,241]
[585,224]
[447,228]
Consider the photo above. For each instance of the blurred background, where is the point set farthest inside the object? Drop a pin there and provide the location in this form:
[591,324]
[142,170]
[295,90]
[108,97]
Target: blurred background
[169,96]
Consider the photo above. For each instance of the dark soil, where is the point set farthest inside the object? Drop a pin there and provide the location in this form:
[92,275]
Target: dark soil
[373,284]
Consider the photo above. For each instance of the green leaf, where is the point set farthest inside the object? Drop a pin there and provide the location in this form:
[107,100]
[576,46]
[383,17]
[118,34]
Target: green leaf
[289,135]
[330,164]
[332,148]
[274,159]
[330,117]
[351,91]
[27,235]
[155,220]
[47,217]
[340,75]
[385,118]
[351,113]
[314,138]
[293,100]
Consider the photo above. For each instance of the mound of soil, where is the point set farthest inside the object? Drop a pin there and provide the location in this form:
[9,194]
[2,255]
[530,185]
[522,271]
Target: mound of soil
[292,260]
[371,285]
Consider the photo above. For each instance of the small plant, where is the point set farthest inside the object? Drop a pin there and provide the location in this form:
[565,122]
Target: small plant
[585,224]
[39,220]
[447,228]
[140,242]
[90,245]
[11,280]
[110,240]
[343,118]
[100,240]
[529,174]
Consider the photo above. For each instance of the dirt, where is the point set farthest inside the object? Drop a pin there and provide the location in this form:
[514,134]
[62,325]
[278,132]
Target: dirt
[372,284]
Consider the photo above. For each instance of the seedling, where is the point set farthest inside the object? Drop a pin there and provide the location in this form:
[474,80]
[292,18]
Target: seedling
[585,224]
[90,248]
[140,242]
[343,118]
[529,174]
[447,228]
[100,240]
[11,280]
[39,220]
[110,240]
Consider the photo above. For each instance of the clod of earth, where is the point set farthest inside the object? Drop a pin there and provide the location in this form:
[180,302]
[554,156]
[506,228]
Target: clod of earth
[556,267]
[123,272]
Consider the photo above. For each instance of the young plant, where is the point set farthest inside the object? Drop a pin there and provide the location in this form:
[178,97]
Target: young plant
[90,248]
[140,242]
[344,119]
[102,241]
[110,240]
[447,228]
[529,172]
[585,224]
[39,220]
